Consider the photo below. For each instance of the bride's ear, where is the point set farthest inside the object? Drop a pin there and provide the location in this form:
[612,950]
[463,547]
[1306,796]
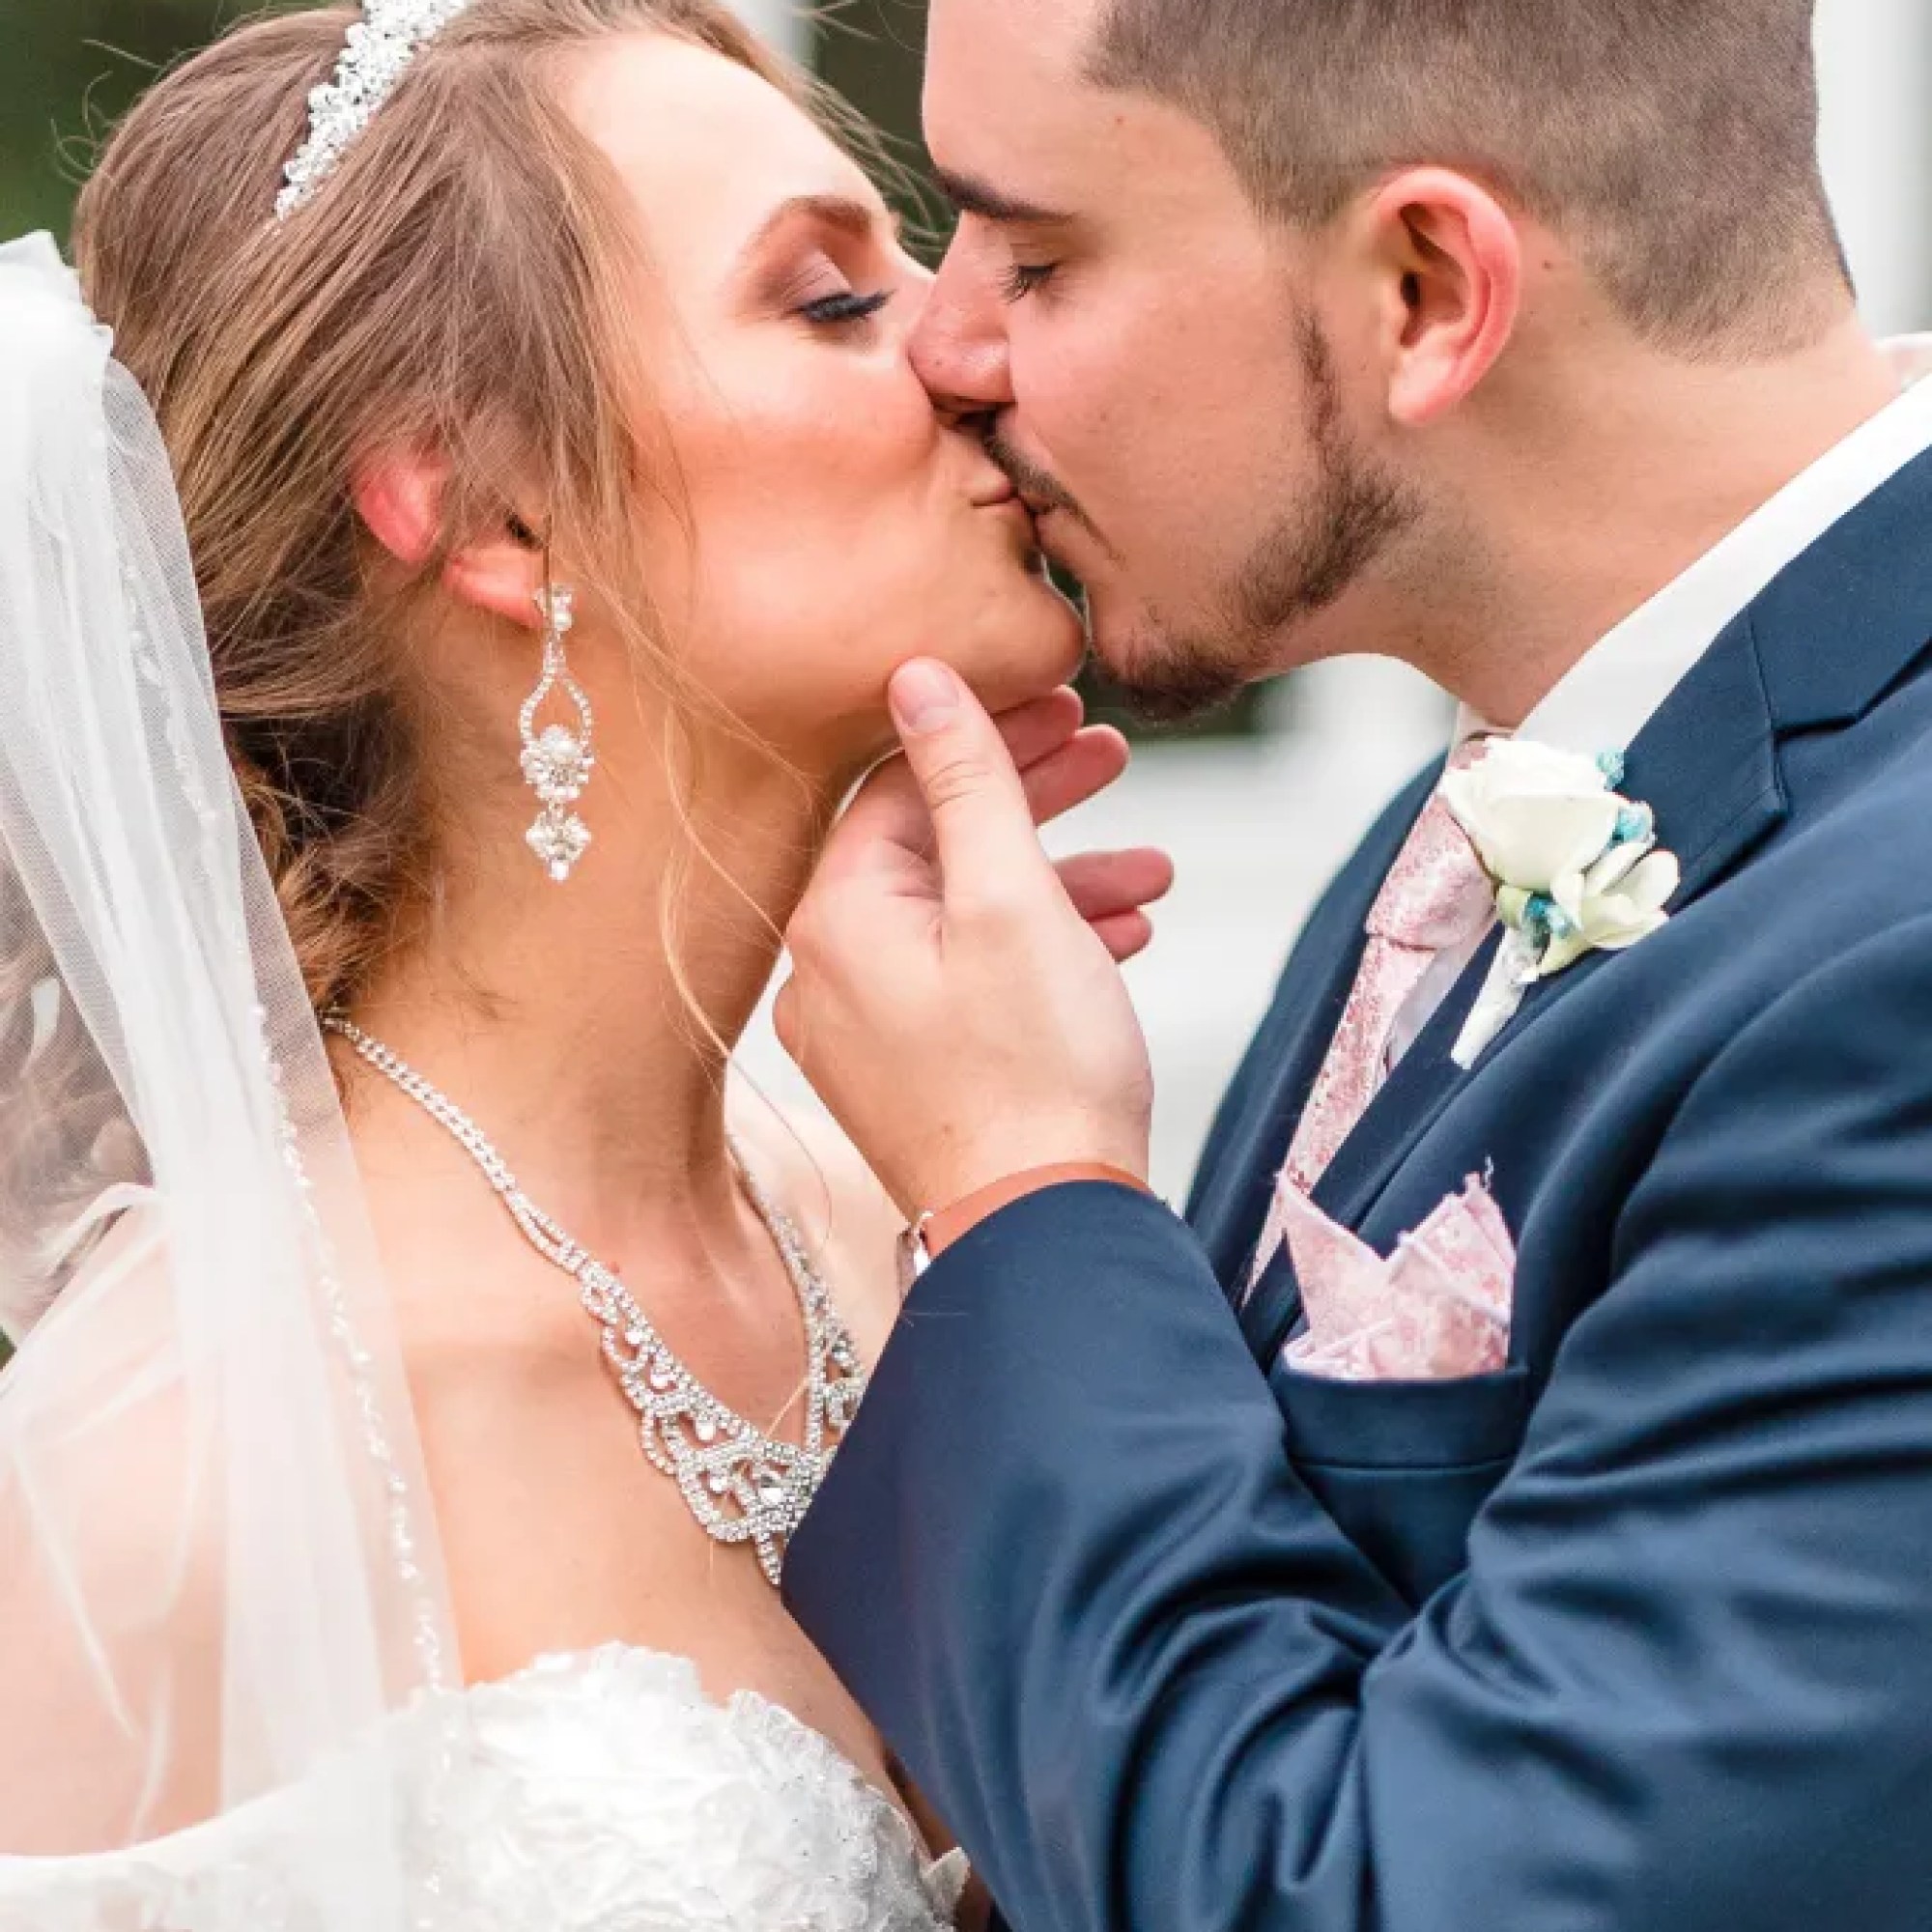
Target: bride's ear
[399,498]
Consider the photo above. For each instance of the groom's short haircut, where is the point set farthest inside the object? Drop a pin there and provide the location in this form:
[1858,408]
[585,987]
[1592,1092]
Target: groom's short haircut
[1673,143]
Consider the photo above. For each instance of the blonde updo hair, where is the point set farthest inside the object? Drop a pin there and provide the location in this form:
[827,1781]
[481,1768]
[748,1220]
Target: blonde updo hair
[460,286]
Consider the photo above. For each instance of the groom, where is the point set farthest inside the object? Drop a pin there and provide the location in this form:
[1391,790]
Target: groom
[1506,1500]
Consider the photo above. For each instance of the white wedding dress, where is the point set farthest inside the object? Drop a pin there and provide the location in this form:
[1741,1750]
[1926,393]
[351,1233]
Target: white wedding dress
[230,1699]
[597,1792]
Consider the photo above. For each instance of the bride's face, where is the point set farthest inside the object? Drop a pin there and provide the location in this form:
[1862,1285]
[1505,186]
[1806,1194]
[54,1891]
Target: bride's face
[833,524]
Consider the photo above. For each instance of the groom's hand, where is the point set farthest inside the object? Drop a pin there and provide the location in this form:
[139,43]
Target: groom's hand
[955,997]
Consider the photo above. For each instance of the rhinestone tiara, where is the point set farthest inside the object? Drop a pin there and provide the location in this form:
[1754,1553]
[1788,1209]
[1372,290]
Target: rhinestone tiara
[380,49]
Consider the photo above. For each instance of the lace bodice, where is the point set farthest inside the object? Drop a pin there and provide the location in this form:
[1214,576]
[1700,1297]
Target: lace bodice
[598,1792]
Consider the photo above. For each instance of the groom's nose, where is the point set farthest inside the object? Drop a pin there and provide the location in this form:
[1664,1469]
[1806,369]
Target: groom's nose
[958,347]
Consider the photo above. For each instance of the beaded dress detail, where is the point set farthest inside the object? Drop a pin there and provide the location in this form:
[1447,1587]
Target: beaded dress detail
[602,1791]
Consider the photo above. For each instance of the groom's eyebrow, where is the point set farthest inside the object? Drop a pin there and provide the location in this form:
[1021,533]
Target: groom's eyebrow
[972,196]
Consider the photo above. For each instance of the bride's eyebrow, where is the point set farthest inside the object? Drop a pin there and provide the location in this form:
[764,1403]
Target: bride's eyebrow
[842,213]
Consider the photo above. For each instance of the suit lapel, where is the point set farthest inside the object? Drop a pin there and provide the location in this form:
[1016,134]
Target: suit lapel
[1255,1165]
[1817,649]
[1414,1095]
[1823,643]
[1233,1198]
[1707,764]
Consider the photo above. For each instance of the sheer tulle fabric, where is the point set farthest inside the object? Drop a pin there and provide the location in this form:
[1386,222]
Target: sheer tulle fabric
[218,1575]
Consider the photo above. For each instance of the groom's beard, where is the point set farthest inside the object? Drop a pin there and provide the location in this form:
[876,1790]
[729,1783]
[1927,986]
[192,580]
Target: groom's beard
[1355,511]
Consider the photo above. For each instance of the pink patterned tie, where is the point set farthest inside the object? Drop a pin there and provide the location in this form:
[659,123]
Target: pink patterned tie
[1435,896]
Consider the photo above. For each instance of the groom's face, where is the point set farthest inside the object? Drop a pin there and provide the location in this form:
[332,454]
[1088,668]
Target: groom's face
[1172,379]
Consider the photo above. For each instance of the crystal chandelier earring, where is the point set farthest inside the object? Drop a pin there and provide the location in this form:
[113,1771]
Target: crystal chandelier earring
[557,762]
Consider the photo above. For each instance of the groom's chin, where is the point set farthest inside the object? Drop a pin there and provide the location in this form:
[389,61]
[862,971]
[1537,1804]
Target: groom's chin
[1163,678]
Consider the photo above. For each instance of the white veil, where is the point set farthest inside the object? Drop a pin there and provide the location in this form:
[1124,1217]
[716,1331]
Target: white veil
[217,1565]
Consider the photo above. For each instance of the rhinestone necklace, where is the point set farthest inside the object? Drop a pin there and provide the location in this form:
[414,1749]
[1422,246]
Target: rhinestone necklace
[742,1485]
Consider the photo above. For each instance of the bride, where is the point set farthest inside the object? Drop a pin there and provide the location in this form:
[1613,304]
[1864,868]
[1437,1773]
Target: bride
[406,1427]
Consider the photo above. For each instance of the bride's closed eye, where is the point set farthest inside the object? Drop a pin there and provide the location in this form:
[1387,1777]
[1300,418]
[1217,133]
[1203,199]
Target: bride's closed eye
[811,259]
[823,293]
[845,309]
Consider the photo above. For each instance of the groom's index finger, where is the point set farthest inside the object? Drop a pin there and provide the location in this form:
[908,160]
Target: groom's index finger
[965,772]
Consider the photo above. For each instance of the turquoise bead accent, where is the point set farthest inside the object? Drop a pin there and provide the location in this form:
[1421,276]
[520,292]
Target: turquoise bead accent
[1611,765]
[1536,918]
[1637,822]
[1544,919]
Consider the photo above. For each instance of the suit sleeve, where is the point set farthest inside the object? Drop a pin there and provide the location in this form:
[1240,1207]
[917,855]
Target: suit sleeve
[1682,1685]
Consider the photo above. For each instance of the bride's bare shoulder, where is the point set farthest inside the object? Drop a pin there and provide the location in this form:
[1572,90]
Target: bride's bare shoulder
[847,1219]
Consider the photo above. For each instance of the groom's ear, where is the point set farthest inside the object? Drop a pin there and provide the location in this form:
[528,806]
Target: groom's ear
[1449,260]
[400,496]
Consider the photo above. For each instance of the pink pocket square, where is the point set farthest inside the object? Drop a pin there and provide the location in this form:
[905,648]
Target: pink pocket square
[1437,1310]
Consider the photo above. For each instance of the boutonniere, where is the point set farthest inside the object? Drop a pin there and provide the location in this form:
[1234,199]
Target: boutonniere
[1575,864]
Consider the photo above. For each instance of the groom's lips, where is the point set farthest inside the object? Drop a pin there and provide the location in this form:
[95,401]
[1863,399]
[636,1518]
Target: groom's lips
[1008,501]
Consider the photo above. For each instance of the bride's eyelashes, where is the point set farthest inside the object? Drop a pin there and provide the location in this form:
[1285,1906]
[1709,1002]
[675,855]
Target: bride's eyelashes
[822,289]
[846,308]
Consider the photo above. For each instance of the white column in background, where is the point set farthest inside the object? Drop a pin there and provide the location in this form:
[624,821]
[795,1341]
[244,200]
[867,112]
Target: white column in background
[1875,75]
[785,23]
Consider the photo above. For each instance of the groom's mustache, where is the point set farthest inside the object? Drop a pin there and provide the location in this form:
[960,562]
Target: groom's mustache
[1043,492]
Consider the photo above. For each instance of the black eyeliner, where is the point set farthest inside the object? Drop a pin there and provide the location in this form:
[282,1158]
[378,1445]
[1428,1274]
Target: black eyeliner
[850,306]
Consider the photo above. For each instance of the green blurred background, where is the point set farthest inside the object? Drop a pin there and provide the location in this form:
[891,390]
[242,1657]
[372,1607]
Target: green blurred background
[68,67]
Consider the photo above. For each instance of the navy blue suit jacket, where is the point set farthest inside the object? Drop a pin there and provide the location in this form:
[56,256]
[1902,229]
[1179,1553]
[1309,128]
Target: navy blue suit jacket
[1635,1635]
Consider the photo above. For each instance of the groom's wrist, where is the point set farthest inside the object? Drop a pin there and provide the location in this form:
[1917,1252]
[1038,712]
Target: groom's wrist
[941,1229]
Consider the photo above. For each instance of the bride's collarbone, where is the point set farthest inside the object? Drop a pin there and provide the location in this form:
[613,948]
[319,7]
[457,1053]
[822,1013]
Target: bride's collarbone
[560,1538]
[569,1558]
[650,1582]
[485,1309]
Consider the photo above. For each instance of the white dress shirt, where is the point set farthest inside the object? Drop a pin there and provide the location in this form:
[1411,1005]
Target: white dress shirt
[1614,690]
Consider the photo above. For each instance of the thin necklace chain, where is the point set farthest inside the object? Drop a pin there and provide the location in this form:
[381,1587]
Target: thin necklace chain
[741,1484]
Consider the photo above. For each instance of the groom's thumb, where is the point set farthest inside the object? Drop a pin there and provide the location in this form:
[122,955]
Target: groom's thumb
[979,812]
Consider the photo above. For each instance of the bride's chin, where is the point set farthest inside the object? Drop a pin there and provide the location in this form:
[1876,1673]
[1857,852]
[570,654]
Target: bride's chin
[1024,646]
[1016,676]
[1056,647]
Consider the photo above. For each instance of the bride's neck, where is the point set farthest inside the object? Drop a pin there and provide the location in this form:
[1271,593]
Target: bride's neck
[585,1026]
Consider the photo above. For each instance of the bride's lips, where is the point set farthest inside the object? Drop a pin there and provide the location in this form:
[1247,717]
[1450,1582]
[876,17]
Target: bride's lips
[996,495]
[1008,501]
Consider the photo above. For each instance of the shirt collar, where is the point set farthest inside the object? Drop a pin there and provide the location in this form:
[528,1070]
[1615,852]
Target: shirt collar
[1614,690]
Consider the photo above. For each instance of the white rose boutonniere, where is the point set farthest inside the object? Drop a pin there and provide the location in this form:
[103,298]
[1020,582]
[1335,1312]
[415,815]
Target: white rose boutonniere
[1576,868]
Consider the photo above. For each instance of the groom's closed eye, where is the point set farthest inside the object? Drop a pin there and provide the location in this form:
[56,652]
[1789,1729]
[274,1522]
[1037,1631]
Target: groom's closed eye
[1025,278]
[1013,218]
